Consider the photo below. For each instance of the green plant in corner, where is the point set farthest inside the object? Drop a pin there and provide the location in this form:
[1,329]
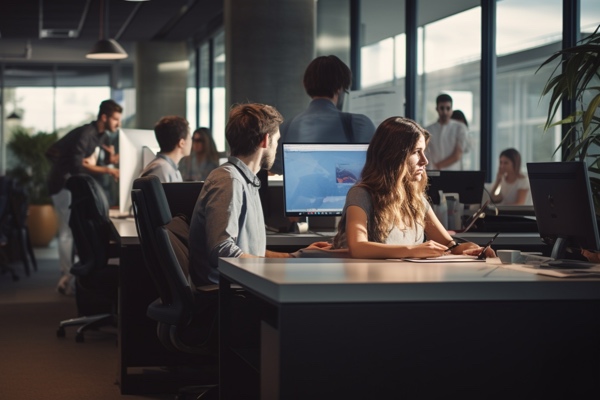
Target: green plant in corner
[578,81]
[32,166]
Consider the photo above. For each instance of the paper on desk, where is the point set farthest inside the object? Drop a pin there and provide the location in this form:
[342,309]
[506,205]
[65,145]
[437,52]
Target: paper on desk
[557,273]
[446,258]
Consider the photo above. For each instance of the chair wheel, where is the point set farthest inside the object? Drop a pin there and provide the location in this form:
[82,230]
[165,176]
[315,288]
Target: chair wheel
[79,338]
[60,332]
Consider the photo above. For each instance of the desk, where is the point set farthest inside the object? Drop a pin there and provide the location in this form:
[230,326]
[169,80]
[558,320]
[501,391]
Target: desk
[333,328]
[289,242]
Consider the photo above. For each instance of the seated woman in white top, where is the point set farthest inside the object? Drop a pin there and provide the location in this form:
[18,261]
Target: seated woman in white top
[511,187]
[386,214]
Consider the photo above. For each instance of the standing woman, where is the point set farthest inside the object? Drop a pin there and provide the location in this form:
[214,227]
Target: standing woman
[511,186]
[203,158]
[386,214]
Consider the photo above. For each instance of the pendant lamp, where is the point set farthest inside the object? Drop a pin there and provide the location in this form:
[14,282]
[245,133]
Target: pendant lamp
[106,49]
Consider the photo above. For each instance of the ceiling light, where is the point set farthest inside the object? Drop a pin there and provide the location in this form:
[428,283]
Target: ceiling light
[106,49]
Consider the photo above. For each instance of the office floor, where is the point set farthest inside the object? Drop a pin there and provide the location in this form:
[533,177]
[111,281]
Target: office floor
[34,363]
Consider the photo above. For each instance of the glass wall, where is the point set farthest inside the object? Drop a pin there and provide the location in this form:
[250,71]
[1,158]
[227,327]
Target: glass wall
[204,118]
[219,116]
[528,32]
[449,61]
[191,103]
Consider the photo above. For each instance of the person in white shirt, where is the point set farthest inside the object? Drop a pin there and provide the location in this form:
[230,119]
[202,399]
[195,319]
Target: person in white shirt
[173,137]
[511,186]
[448,138]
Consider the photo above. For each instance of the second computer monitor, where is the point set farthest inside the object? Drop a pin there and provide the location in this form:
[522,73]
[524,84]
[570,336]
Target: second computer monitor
[468,185]
[317,177]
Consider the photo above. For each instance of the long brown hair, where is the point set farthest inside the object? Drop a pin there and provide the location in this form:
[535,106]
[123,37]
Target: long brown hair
[396,198]
[209,150]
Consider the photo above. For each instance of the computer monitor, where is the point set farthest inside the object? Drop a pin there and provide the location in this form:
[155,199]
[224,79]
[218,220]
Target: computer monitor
[135,148]
[468,185]
[317,177]
[564,210]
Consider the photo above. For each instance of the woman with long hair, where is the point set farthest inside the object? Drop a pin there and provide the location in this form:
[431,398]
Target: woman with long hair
[511,186]
[386,214]
[203,158]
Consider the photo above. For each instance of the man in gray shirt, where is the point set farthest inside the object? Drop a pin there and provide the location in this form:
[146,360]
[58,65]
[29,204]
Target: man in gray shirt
[326,80]
[228,218]
[173,136]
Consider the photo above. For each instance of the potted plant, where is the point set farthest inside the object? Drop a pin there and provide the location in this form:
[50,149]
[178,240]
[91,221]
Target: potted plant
[30,169]
[578,80]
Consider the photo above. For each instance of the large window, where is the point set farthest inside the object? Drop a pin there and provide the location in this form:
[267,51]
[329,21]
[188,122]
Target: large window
[219,117]
[527,33]
[450,53]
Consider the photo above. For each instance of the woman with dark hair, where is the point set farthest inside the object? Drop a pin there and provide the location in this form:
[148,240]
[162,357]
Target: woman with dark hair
[459,116]
[511,186]
[386,214]
[203,158]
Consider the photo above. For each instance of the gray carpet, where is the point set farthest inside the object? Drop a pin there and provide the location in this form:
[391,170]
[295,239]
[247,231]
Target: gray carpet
[35,364]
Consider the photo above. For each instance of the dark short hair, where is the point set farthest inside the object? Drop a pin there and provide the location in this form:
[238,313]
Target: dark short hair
[108,108]
[247,126]
[459,116]
[326,75]
[443,98]
[169,131]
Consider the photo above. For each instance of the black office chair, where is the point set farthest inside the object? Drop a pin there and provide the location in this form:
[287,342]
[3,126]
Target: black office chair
[97,246]
[14,207]
[186,316]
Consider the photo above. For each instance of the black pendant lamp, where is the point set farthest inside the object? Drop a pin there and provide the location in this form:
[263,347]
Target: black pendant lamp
[106,49]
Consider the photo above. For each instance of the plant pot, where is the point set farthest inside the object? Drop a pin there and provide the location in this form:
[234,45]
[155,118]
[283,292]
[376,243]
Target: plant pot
[42,223]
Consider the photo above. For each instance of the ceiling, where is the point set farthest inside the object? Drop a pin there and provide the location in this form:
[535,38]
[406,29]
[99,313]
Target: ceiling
[79,20]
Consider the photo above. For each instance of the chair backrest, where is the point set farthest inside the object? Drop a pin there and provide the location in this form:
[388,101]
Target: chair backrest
[152,215]
[90,224]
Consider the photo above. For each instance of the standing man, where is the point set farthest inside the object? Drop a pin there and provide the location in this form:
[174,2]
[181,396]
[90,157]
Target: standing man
[326,80]
[173,136]
[448,140]
[74,153]
[228,218]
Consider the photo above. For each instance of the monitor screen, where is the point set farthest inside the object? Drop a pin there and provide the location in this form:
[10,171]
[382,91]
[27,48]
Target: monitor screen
[564,210]
[135,146]
[468,185]
[317,177]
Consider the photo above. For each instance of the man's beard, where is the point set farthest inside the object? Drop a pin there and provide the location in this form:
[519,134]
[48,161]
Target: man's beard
[266,162]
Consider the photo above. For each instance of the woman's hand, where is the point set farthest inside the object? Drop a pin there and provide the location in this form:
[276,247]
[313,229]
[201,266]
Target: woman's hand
[320,245]
[475,251]
[462,247]
[428,249]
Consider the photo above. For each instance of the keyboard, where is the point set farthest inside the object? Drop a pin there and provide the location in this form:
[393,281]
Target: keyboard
[568,264]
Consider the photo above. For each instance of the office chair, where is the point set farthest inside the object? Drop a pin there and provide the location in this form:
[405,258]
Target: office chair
[14,206]
[186,316]
[97,246]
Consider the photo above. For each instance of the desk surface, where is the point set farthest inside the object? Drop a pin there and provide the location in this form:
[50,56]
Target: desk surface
[342,280]
[126,229]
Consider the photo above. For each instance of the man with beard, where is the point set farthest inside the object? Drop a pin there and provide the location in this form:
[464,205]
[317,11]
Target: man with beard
[326,80]
[75,153]
[228,219]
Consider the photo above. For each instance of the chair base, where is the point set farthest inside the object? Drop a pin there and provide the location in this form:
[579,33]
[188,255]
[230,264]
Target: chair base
[92,322]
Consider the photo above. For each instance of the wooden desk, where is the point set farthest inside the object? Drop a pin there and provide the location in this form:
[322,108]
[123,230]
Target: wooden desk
[357,329]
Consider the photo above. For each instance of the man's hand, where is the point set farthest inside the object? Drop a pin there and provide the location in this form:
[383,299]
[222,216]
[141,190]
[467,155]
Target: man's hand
[114,172]
[113,158]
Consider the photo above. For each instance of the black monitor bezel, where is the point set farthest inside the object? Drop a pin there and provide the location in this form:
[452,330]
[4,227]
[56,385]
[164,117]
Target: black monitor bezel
[285,201]
[468,184]
[569,219]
